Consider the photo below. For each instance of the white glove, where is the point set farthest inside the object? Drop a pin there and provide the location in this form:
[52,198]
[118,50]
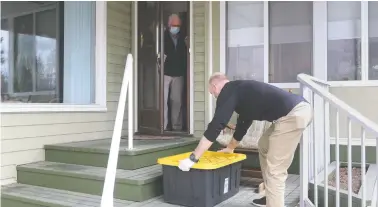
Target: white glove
[185,164]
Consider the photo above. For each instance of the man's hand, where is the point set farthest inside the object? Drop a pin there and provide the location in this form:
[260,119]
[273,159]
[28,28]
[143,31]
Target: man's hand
[187,41]
[186,164]
[226,150]
[233,144]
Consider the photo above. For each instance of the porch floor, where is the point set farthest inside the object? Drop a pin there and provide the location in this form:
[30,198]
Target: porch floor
[48,196]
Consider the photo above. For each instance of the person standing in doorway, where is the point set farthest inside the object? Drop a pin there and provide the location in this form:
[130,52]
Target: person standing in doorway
[175,65]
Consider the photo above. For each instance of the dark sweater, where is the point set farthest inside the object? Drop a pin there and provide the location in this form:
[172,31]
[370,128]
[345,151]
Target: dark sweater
[175,63]
[252,100]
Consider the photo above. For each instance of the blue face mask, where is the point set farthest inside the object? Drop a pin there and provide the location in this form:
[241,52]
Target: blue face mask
[174,30]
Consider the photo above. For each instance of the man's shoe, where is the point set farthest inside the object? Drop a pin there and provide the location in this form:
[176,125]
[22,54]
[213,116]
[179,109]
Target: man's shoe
[261,202]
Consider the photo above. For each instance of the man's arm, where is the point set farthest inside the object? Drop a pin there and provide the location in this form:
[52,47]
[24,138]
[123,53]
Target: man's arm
[242,126]
[223,112]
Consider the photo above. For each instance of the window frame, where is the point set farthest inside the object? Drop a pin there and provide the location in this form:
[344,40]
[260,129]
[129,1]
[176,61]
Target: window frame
[320,38]
[11,49]
[100,75]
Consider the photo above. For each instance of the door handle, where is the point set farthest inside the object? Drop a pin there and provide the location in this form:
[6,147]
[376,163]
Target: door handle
[158,62]
[141,40]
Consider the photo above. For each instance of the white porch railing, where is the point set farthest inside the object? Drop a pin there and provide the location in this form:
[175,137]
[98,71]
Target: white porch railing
[315,145]
[127,84]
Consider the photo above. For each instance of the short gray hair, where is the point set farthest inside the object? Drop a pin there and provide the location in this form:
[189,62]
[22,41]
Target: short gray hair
[171,17]
[216,77]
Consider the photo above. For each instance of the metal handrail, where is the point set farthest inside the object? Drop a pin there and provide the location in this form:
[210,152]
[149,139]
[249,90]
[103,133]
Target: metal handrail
[111,170]
[311,86]
[309,82]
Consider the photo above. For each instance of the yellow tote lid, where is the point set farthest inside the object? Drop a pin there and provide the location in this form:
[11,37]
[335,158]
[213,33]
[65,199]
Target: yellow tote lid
[209,160]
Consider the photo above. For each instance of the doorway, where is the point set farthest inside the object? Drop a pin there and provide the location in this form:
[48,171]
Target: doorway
[155,85]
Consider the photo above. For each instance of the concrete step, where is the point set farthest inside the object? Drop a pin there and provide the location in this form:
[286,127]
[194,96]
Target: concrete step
[21,195]
[95,153]
[133,185]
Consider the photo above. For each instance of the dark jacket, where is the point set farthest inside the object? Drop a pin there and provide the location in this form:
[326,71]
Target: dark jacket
[175,63]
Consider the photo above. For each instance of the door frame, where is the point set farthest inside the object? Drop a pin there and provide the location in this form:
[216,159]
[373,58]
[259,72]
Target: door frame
[134,23]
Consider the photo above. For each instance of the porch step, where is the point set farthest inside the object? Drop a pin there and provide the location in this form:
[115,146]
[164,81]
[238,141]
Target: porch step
[95,153]
[21,195]
[133,185]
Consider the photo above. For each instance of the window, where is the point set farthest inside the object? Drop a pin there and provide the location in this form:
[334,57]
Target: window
[48,53]
[245,40]
[275,41]
[290,38]
[344,40]
[286,34]
[373,40]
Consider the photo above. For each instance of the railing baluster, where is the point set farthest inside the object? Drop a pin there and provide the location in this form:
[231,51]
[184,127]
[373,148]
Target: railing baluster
[314,142]
[325,138]
[304,158]
[376,173]
[349,162]
[337,151]
[363,167]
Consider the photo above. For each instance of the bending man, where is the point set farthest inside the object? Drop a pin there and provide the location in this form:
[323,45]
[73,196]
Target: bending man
[253,100]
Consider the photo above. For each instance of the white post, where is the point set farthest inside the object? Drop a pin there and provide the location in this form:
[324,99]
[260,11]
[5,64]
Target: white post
[349,162]
[304,158]
[130,105]
[363,166]
[315,144]
[337,151]
[326,151]
[326,145]
[111,170]
[376,173]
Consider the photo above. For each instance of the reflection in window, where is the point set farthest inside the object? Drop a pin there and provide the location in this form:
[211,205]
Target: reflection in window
[46,50]
[290,37]
[23,53]
[344,40]
[245,40]
[373,40]
[4,58]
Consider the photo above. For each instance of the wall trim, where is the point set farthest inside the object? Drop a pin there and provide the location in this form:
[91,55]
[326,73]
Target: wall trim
[191,67]
[101,72]
[210,62]
[222,36]
[135,54]
[30,108]
[266,42]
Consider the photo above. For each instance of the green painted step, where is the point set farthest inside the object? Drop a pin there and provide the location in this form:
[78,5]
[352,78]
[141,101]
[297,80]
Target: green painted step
[21,195]
[95,153]
[133,185]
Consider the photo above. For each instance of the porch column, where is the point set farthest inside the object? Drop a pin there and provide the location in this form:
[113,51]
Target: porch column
[320,38]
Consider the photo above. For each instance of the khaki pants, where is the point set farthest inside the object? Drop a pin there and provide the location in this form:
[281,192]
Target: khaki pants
[276,151]
[175,85]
